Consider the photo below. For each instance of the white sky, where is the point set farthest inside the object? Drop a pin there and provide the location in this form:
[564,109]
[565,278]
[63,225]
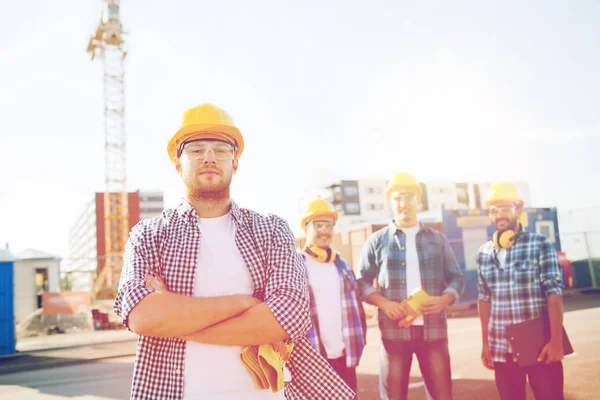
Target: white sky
[468,90]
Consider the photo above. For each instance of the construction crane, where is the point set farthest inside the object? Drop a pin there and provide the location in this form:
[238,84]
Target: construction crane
[108,43]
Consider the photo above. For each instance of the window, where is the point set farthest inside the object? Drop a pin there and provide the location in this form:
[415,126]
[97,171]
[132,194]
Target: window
[546,228]
[376,207]
[350,191]
[352,208]
[152,198]
[374,190]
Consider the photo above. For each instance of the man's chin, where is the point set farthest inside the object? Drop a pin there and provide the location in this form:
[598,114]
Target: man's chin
[210,192]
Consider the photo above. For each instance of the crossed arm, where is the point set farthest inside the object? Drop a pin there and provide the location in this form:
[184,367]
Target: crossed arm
[227,320]
[240,320]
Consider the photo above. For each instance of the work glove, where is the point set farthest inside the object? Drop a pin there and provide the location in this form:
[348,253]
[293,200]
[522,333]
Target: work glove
[412,305]
[266,362]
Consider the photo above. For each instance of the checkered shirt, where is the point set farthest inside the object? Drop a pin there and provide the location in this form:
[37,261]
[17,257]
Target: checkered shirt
[168,246]
[517,291]
[352,326]
[384,259]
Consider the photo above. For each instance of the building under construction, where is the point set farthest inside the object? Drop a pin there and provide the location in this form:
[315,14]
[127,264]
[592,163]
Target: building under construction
[87,243]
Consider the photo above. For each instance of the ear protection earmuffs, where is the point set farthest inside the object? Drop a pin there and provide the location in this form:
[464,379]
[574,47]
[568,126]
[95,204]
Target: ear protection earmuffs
[319,254]
[504,240]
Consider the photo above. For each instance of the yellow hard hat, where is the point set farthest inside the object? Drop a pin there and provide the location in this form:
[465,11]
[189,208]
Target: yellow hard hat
[400,181]
[318,208]
[503,191]
[206,121]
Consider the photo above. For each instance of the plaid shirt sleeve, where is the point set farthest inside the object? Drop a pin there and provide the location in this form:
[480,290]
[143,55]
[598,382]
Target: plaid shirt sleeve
[550,269]
[483,291]
[368,269]
[455,280]
[286,292]
[138,261]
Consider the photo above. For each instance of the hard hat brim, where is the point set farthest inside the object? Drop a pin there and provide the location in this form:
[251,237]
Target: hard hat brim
[391,189]
[313,216]
[489,203]
[197,131]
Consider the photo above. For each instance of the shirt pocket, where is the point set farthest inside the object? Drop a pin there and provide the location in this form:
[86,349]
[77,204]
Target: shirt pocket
[430,258]
[526,274]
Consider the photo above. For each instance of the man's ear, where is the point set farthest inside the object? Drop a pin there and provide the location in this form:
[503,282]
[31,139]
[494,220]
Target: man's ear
[235,165]
[177,163]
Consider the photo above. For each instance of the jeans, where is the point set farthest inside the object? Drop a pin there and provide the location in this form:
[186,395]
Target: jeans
[395,361]
[347,374]
[546,380]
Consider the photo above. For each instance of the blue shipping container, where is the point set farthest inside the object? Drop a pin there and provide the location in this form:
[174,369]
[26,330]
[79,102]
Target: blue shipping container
[7,310]
[467,230]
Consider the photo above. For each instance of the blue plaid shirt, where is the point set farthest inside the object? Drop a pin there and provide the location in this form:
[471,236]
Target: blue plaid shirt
[353,330]
[384,258]
[517,292]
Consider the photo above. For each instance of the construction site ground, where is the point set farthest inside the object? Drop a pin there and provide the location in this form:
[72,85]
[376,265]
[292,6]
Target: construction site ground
[92,349]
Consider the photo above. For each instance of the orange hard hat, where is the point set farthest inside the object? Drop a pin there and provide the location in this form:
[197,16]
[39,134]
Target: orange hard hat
[318,208]
[503,191]
[402,181]
[206,121]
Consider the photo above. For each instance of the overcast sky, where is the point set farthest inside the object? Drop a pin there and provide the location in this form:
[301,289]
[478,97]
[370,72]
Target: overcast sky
[465,90]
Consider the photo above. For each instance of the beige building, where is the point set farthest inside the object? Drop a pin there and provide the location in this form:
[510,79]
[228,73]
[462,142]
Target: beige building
[36,272]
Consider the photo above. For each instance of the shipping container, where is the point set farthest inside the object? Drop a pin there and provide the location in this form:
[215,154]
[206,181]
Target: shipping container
[7,320]
[467,230]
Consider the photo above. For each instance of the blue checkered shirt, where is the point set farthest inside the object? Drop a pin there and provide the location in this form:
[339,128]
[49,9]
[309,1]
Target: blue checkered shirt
[352,326]
[384,259]
[517,292]
[168,246]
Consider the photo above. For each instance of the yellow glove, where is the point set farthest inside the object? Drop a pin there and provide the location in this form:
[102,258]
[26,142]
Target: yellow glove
[413,306]
[265,363]
[249,356]
[272,358]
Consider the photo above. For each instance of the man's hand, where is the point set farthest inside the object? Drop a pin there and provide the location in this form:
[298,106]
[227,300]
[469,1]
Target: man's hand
[552,352]
[486,357]
[437,304]
[155,283]
[394,310]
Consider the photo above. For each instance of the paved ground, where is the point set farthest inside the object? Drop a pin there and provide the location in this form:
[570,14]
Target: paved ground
[109,378]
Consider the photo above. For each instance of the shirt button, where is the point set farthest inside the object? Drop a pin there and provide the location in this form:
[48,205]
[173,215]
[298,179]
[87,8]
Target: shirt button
[403,249]
[403,263]
[178,372]
[192,264]
[196,234]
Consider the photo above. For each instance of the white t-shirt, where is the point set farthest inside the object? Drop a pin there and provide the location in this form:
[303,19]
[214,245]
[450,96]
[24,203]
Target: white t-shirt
[214,371]
[502,257]
[327,290]
[413,271]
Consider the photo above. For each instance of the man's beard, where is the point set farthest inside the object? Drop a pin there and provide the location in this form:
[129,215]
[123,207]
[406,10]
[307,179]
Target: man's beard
[510,226]
[207,192]
[202,194]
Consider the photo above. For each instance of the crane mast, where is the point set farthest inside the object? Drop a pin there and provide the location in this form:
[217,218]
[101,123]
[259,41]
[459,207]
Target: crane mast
[108,44]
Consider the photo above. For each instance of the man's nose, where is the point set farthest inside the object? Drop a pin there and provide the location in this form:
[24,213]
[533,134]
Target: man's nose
[209,157]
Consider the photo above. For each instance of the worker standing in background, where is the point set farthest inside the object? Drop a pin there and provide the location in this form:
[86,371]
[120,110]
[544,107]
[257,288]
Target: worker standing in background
[204,281]
[338,319]
[401,258]
[520,279]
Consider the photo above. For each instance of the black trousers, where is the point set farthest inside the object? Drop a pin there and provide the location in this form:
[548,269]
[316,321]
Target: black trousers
[546,380]
[347,374]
